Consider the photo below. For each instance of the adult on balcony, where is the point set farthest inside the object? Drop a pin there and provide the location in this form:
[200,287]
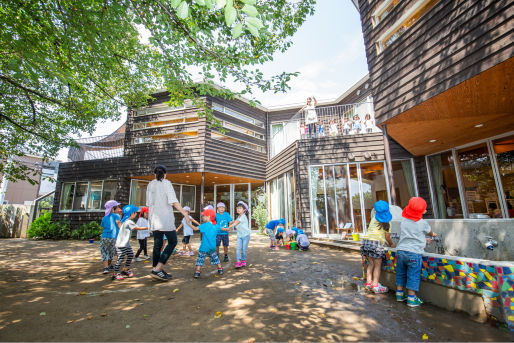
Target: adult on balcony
[311,118]
[160,199]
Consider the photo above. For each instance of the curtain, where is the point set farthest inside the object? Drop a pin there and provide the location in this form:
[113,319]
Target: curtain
[409,177]
[436,170]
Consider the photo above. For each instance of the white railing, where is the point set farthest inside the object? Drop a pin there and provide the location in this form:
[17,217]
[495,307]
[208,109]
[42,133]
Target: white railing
[339,120]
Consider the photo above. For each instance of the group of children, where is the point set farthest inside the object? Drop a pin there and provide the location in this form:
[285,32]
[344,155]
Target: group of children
[349,127]
[115,239]
[408,251]
[275,230]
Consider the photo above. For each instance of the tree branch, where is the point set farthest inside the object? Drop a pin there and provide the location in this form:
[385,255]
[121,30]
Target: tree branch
[42,96]
[25,129]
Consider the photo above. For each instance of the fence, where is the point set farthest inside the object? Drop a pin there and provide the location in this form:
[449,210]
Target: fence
[97,147]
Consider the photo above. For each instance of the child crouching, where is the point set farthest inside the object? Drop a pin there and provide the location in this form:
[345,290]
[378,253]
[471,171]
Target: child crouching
[208,244]
[303,241]
[123,242]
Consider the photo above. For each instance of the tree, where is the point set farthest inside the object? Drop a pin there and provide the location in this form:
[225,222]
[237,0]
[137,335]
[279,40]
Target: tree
[67,64]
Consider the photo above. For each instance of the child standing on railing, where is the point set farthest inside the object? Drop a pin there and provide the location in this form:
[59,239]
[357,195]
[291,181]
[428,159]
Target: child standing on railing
[333,128]
[311,118]
[368,123]
[356,124]
[347,126]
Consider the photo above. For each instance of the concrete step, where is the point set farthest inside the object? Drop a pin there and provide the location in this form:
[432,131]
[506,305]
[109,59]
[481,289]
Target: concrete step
[338,244]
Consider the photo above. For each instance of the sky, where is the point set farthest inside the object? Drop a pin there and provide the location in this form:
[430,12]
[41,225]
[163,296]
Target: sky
[328,51]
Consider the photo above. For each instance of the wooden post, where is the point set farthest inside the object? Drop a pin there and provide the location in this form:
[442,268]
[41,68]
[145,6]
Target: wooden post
[389,165]
[202,191]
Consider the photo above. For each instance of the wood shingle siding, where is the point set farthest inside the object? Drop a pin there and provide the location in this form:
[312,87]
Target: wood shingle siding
[283,162]
[452,42]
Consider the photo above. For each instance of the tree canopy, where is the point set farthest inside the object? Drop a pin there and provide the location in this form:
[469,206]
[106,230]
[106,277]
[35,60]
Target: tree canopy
[68,64]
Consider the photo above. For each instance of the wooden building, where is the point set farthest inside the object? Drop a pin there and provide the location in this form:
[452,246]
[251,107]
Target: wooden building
[442,80]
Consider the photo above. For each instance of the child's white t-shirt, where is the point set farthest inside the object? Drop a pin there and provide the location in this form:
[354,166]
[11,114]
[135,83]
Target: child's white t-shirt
[123,239]
[333,128]
[188,231]
[142,234]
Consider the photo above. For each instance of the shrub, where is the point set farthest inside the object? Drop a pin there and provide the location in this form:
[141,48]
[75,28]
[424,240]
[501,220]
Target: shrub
[260,214]
[43,228]
[87,231]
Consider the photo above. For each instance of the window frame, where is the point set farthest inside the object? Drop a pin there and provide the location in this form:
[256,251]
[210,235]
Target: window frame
[87,209]
[165,109]
[179,195]
[183,117]
[184,136]
[238,115]
[235,144]
[240,129]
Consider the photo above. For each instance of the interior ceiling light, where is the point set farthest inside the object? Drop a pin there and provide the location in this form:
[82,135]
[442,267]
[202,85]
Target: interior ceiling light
[187,175]
[479,125]
[215,177]
[433,140]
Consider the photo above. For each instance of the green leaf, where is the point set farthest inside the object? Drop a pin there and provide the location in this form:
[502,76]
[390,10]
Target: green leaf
[249,2]
[253,30]
[175,3]
[230,15]
[183,10]
[221,3]
[200,2]
[250,10]
[237,30]
[255,22]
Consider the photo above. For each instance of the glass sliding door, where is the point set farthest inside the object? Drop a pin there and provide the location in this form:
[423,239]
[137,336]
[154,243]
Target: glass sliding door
[374,187]
[404,182]
[222,194]
[318,210]
[231,194]
[344,214]
[331,200]
[504,151]
[355,196]
[445,186]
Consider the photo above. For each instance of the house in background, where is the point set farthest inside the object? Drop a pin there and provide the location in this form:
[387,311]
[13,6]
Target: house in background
[442,80]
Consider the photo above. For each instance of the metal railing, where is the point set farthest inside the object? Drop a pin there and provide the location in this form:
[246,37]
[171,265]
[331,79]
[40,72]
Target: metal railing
[328,121]
[93,148]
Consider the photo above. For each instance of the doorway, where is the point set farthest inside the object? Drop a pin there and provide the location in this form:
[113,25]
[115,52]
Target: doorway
[231,194]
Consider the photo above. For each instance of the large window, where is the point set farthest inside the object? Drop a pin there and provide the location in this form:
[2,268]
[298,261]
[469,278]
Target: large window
[408,19]
[474,181]
[174,121]
[87,195]
[283,200]
[383,10]
[404,182]
[240,129]
[186,194]
[164,137]
[161,109]
[238,142]
[237,115]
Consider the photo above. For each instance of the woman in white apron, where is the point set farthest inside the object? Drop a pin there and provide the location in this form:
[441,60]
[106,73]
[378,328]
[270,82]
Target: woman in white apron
[160,199]
[311,118]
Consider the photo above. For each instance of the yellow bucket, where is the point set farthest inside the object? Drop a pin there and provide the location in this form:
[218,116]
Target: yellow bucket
[355,236]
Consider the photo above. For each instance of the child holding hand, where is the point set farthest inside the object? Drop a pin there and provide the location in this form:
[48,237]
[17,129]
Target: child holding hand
[243,234]
[208,244]
[188,232]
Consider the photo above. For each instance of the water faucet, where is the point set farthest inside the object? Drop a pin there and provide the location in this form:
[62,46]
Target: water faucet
[395,235]
[491,243]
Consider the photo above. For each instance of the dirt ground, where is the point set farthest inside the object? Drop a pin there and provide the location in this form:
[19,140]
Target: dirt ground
[54,291]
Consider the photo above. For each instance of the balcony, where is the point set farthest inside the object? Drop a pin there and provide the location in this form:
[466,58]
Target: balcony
[94,148]
[329,121]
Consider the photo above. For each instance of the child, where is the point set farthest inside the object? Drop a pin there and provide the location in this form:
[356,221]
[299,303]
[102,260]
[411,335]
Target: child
[368,123]
[321,129]
[111,224]
[188,232]
[208,245]
[373,245]
[123,247]
[408,252]
[142,235]
[303,241]
[280,234]
[243,234]
[302,130]
[295,233]
[347,125]
[356,124]
[289,235]
[223,220]
[333,128]
[270,230]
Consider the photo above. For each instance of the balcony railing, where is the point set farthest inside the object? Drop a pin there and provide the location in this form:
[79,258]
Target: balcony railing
[329,121]
[94,148]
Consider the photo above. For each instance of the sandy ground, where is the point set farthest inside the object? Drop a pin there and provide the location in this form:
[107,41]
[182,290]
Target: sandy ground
[54,291]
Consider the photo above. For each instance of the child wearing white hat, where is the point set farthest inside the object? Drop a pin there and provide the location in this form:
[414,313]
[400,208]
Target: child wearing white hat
[243,234]
[223,220]
[188,232]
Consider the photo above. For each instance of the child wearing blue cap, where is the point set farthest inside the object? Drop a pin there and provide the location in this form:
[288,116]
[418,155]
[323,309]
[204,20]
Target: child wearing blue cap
[280,234]
[123,247]
[303,241]
[270,230]
[373,245]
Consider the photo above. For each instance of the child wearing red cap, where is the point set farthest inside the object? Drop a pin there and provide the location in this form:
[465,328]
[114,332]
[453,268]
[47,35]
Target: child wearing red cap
[142,235]
[409,249]
[208,244]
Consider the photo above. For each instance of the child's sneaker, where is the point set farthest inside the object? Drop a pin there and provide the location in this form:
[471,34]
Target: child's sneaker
[220,271]
[378,289]
[225,259]
[368,286]
[196,275]
[414,301]
[400,296]
[191,253]
[238,265]
[127,273]
[276,248]
[243,263]
[117,276]
[106,270]
[137,259]
[146,257]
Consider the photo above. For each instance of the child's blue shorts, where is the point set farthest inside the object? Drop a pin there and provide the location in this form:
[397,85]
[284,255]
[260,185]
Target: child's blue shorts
[408,269]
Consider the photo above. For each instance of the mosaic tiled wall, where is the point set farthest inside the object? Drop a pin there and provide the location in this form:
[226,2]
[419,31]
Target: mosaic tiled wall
[494,283]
